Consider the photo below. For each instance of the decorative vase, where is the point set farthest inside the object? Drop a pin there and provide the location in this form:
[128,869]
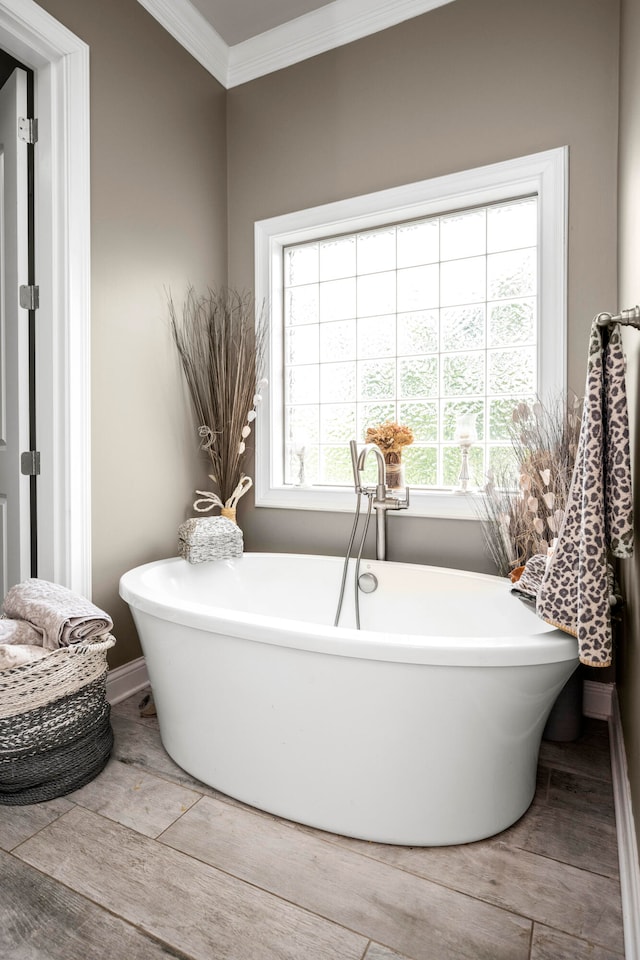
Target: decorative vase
[394,471]
[229,513]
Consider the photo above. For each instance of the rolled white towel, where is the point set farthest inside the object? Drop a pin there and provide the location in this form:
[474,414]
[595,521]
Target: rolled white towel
[60,616]
[15,654]
[19,631]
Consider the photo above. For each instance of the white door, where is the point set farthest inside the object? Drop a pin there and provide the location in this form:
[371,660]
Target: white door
[15,523]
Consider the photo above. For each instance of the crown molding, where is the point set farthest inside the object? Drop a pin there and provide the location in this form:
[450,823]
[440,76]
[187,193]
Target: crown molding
[316,32]
[192,31]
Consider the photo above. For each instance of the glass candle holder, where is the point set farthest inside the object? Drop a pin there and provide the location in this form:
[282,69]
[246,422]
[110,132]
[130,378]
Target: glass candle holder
[465,436]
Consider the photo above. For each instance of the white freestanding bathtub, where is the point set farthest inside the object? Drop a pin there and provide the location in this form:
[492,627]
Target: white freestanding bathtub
[422,728]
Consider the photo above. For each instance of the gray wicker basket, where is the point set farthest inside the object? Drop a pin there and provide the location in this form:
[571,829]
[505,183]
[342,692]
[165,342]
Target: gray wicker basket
[55,729]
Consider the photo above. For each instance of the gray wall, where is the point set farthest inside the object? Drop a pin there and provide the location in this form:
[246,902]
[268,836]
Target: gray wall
[474,82]
[158,220]
[628,674]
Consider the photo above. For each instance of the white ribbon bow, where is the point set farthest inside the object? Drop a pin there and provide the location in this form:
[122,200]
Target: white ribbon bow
[210,500]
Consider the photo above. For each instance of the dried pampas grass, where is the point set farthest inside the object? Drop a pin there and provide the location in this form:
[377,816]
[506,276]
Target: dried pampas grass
[221,341]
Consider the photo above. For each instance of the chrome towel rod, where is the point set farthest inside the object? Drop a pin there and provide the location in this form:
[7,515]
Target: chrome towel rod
[631,316]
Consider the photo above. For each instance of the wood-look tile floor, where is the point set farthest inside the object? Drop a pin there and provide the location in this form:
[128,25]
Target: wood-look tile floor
[147,863]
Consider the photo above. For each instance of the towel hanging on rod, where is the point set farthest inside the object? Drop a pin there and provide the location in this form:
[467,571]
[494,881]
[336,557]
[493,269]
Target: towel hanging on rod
[575,593]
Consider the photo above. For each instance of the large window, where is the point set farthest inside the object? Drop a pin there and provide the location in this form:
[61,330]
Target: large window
[447,305]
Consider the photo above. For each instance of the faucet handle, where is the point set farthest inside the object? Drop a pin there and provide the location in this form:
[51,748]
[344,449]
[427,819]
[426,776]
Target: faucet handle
[398,503]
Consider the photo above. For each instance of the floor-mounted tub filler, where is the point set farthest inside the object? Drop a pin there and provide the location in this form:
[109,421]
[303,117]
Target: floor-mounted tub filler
[422,728]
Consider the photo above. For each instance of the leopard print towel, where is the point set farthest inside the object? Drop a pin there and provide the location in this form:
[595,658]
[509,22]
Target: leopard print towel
[574,594]
[528,585]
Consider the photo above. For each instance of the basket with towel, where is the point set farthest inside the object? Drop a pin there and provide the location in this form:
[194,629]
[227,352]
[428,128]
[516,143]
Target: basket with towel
[55,729]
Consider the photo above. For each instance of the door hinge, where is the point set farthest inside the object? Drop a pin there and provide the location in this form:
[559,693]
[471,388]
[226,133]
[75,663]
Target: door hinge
[28,129]
[30,296]
[30,463]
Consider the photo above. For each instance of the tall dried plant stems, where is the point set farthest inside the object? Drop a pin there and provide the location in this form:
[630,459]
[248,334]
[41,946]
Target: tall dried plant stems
[525,510]
[221,342]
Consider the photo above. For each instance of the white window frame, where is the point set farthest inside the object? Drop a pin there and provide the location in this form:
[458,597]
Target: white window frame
[544,174]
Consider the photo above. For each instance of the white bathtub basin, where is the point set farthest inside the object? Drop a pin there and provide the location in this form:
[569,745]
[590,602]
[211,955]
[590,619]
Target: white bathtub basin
[422,728]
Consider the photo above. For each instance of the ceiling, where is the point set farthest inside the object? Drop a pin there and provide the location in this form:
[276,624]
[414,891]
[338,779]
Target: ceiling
[239,40]
[237,20]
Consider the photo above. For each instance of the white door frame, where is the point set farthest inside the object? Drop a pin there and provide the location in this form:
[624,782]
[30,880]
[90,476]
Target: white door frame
[60,62]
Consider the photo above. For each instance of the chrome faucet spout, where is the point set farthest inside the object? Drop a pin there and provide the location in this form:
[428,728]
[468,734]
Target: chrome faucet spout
[381,489]
[381,502]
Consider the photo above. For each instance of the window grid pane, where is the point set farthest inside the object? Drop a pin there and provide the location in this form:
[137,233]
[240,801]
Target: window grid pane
[418,322]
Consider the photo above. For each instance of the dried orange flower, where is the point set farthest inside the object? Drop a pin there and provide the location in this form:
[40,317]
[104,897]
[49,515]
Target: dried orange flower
[390,437]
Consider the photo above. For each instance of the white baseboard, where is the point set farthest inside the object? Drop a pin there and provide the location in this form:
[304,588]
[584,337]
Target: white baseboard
[627,838]
[126,680]
[600,700]
[597,699]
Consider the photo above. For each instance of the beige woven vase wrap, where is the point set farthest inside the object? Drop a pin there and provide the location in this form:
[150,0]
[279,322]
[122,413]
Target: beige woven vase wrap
[208,500]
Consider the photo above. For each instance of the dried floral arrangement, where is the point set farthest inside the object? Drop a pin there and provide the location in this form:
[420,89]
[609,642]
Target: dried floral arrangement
[390,438]
[221,345]
[524,510]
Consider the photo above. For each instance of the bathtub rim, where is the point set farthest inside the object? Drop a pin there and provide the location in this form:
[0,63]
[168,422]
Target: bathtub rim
[548,645]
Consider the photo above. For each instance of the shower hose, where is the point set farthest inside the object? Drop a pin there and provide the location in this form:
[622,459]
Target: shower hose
[370,495]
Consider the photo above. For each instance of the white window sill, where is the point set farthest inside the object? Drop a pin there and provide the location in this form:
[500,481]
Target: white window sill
[442,504]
